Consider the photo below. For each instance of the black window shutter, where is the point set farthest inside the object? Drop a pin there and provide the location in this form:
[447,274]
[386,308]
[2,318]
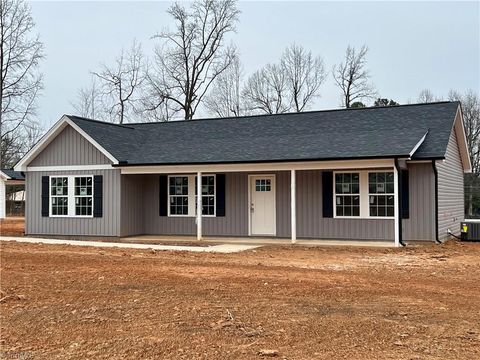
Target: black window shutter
[97,196]
[327,196]
[220,195]
[45,195]
[163,195]
[405,191]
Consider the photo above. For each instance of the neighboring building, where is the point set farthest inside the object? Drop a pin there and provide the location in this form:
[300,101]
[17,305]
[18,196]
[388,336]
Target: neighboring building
[10,177]
[390,173]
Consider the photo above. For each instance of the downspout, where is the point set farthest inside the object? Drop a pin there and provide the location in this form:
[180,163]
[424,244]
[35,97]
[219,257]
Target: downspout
[399,194]
[435,173]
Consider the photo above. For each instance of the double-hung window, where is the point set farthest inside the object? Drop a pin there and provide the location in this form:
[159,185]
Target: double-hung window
[182,195]
[208,195]
[347,194]
[71,196]
[59,196]
[381,194]
[83,195]
[364,194]
[178,195]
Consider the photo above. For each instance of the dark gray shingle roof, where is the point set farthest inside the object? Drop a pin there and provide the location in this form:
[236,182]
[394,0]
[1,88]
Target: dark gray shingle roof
[14,175]
[317,135]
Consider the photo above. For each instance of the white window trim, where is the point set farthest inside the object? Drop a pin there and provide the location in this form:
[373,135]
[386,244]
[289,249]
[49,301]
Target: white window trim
[335,194]
[70,196]
[364,195]
[192,204]
[188,195]
[380,194]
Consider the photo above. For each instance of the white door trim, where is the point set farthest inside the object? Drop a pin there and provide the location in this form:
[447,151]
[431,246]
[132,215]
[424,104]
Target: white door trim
[274,190]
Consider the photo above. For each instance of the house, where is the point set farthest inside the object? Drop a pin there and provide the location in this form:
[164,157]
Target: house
[10,177]
[387,173]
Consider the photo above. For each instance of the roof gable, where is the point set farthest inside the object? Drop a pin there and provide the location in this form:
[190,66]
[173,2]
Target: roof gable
[386,132]
[69,148]
[51,135]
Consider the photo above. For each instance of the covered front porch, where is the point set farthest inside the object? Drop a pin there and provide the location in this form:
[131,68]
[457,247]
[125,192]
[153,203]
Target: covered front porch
[327,202]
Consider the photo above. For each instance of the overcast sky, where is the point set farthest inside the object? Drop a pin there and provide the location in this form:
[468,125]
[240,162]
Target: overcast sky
[413,45]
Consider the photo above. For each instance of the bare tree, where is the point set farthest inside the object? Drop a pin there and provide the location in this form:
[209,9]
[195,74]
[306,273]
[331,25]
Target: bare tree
[352,77]
[20,54]
[471,121]
[16,144]
[293,84]
[120,83]
[193,55]
[266,91]
[89,102]
[224,99]
[426,96]
[304,75]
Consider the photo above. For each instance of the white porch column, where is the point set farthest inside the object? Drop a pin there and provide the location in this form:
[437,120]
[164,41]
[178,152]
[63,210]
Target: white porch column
[397,208]
[293,204]
[3,199]
[199,205]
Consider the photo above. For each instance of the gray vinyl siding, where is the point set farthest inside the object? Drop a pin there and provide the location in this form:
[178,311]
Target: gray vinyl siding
[312,224]
[283,211]
[132,205]
[108,225]
[70,148]
[234,223]
[450,190]
[421,222]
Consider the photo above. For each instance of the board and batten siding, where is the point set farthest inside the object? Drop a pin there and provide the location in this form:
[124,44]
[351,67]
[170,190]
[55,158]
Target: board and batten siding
[133,207]
[451,207]
[420,224]
[234,223]
[312,224]
[107,225]
[69,148]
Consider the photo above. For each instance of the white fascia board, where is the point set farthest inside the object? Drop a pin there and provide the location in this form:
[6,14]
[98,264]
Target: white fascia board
[92,141]
[70,167]
[462,141]
[50,136]
[418,144]
[260,167]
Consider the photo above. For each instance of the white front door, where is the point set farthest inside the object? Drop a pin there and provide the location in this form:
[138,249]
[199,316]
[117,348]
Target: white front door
[262,205]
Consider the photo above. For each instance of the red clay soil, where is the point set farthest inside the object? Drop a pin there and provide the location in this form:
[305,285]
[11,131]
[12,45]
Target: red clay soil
[12,226]
[64,302]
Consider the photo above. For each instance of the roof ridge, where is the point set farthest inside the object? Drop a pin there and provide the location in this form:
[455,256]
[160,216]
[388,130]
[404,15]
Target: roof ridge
[99,121]
[293,113]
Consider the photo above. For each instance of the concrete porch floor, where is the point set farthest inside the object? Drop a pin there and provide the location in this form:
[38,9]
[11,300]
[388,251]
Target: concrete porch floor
[152,239]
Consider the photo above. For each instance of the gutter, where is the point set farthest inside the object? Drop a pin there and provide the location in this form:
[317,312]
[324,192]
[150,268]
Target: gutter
[125,163]
[399,194]
[435,172]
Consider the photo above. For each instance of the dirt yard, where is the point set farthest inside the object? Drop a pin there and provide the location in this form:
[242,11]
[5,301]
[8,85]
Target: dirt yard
[12,226]
[296,303]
